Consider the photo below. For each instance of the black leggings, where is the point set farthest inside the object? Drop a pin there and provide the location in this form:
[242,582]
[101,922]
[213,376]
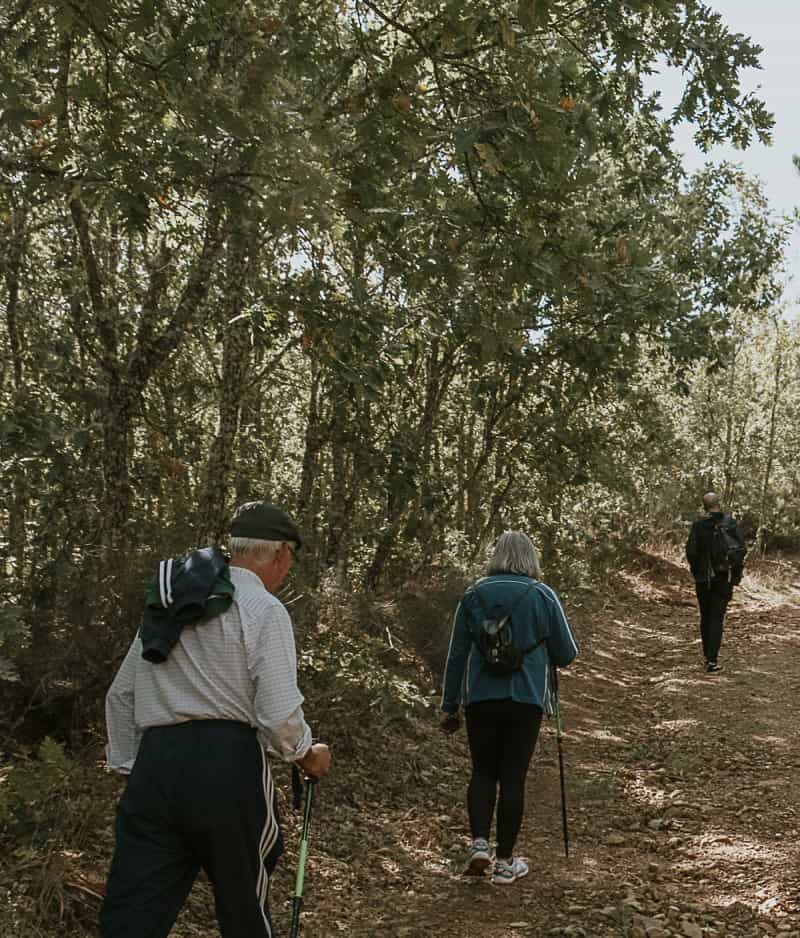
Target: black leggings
[502,736]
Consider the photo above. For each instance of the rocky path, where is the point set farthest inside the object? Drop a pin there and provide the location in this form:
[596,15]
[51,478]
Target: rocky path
[683,793]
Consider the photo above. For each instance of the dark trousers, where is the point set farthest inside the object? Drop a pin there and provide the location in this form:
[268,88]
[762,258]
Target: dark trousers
[713,598]
[200,797]
[502,736]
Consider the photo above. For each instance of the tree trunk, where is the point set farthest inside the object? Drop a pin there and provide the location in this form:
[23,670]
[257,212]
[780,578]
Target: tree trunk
[117,429]
[16,338]
[763,521]
[314,439]
[236,358]
[127,376]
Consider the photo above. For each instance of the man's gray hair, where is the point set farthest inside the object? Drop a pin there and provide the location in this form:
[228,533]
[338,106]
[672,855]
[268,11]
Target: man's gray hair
[254,547]
[712,501]
[514,553]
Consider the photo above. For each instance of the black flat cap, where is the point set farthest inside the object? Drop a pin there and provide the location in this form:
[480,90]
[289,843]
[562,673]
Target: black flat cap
[264,521]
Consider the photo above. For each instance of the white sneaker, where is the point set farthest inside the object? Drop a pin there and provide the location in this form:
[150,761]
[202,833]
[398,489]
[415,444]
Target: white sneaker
[505,873]
[478,861]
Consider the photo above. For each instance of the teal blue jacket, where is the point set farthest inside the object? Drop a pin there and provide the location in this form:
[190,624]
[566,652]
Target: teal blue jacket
[536,616]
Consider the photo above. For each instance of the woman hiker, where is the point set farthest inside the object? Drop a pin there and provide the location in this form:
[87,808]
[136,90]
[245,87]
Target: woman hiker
[504,688]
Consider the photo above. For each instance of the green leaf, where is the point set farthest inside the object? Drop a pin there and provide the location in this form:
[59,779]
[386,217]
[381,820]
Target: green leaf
[465,140]
[533,13]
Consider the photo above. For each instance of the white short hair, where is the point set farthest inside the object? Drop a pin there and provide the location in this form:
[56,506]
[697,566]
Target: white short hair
[514,553]
[255,548]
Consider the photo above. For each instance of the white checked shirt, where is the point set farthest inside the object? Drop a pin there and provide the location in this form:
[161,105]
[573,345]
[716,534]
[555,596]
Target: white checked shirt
[241,665]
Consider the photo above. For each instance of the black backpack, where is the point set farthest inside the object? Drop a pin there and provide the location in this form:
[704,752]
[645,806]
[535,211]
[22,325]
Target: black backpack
[726,553]
[495,636]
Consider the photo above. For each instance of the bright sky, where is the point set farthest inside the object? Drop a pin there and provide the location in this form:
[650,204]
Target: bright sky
[774,25]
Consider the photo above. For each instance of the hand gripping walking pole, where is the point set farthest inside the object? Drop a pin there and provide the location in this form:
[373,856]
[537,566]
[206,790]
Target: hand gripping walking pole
[297,901]
[561,764]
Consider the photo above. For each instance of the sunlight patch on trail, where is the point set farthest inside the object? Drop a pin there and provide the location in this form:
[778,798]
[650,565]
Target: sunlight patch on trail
[682,684]
[600,676]
[724,846]
[643,586]
[604,735]
[773,741]
[677,725]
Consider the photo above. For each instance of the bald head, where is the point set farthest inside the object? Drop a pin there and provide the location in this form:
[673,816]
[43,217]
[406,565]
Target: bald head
[711,502]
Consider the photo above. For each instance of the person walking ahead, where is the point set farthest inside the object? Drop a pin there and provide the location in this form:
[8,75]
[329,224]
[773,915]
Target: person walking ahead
[503,710]
[715,551]
[193,731]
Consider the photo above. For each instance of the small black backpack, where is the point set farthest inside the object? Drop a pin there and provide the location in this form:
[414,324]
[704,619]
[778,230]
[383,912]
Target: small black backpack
[495,636]
[726,552]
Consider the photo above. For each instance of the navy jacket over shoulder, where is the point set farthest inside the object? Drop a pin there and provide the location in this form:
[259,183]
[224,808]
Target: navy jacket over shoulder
[183,592]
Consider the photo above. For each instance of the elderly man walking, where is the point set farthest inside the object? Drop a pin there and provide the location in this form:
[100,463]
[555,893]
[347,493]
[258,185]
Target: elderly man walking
[193,726]
[715,551]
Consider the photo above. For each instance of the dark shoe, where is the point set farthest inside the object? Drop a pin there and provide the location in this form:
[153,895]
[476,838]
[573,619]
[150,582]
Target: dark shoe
[713,666]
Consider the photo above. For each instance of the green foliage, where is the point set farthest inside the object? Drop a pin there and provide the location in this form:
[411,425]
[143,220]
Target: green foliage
[14,636]
[350,674]
[737,428]
[419,271]
[33,796]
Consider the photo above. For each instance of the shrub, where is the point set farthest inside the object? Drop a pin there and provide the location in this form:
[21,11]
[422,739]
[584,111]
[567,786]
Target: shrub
[425,612]
[14,635]
[35,795]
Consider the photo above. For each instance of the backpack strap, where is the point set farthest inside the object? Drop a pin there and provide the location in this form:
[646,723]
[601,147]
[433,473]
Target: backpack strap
[476,593]
[528,649]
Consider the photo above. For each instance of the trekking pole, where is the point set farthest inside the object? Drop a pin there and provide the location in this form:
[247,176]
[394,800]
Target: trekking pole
[297,901]
[561,765]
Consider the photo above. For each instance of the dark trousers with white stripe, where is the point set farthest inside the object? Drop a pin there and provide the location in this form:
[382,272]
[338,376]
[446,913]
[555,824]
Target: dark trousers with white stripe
[200,797]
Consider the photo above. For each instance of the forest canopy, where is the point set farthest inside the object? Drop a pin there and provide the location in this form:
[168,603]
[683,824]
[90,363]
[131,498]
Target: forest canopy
[417,271]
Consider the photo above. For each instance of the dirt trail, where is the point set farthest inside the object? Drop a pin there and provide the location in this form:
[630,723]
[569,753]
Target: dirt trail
[683,793]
